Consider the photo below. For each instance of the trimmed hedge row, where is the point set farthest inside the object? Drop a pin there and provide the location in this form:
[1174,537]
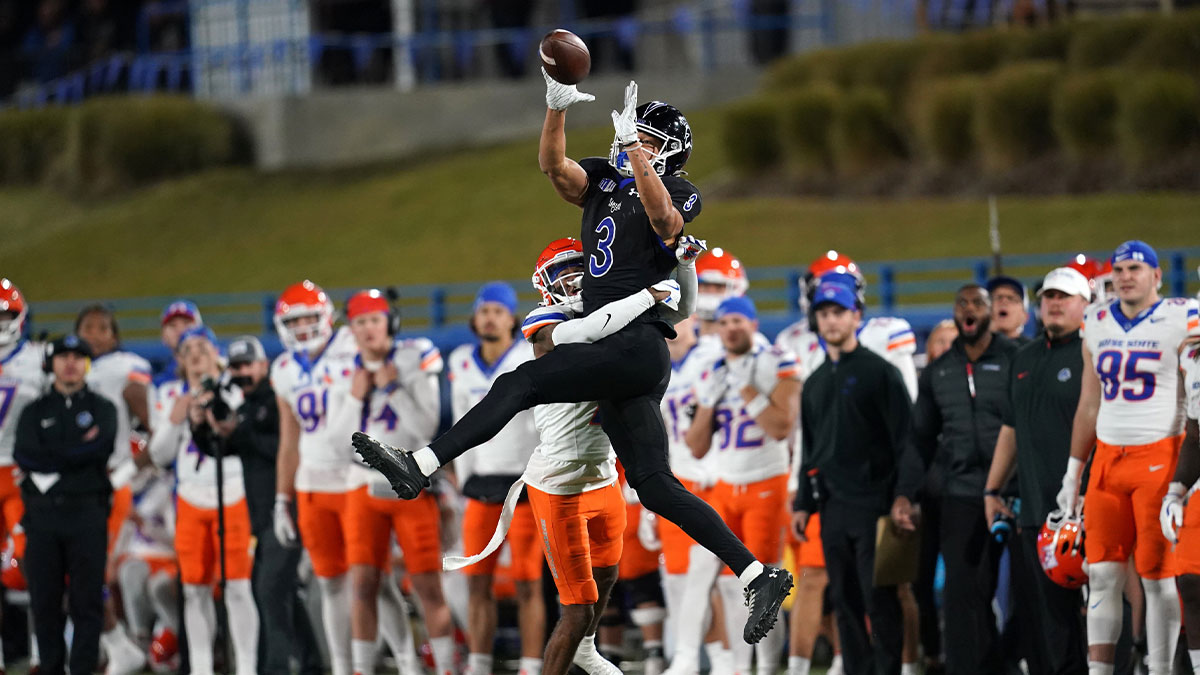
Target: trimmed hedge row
[1002,120]
[109,143]
[1128,87]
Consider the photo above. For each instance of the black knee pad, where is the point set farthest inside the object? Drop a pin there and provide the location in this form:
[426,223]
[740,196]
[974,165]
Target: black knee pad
[646,588]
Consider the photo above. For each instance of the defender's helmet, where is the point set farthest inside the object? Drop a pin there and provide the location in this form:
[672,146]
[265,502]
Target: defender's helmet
[670,127]
[1060,550]
[553,277]
[12,301]
[301,300]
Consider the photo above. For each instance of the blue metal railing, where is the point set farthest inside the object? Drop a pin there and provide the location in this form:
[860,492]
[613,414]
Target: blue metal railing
[917,290]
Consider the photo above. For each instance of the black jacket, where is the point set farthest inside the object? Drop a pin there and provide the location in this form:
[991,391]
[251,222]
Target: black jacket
[855,418]
[256,441]
[71,436]
[957,418]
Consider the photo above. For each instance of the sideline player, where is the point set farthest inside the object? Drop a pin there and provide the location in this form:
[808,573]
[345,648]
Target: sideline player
[313,466]
[1180,524]
[572,475]
[748,407]
[22,380]
[394,395]
[485,475]
[634,206]
[123,378]
[181,405]
[1129,409]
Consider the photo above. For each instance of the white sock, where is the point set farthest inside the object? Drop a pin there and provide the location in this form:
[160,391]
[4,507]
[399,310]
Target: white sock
[694,611]
[713,651]
[1099,668]
[1162,623]
[393,622]
[165,601]
[724,662]
[335,615]
[769,650]
[243,624]
[908,669]
[362,656]
[798,665]
[479,664]
[835,665]
[530,666]
[443,654]
[1194,655]
[750,573]
[427,460]
[736,615]
[199,618]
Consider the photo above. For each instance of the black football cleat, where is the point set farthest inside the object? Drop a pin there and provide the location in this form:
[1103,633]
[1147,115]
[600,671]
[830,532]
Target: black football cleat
[396,465]
[764,596]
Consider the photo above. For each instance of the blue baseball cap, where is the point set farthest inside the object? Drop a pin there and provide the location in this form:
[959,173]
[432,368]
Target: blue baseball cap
[200,332]
[839,294]
[1135,249]
[185,308]
[1013,283]
[498,292]
[739,305]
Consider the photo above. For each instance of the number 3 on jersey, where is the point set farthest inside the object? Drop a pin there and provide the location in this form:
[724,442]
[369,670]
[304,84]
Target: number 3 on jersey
[607,229]
[1108,367]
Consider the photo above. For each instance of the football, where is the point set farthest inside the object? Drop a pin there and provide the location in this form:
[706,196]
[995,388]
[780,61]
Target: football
[565,57]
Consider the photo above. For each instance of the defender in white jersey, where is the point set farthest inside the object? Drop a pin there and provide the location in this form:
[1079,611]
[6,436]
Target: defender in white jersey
[181,407]
[572,475]
[485,474]
[394,394]
[1180,524]
[313,466]
[22,380]
[1130,408]
[748,407]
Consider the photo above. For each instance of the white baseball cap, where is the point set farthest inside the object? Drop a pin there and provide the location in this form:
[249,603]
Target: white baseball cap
[1067,280]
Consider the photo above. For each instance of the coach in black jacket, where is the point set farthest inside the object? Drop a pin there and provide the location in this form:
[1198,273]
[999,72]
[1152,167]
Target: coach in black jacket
[855,421]
[962,398]
[64,440]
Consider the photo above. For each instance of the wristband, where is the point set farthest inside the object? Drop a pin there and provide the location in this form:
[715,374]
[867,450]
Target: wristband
[1074,468]
[991,493]
[282,498]
[755,406]
[1176,489]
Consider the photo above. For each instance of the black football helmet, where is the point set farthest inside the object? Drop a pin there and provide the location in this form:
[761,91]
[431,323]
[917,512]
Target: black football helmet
[664,122]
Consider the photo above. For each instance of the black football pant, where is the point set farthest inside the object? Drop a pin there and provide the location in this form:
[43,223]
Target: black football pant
[848,540]
[1051,615]
[971,556]
[285,631]
[627,373]
[65,554]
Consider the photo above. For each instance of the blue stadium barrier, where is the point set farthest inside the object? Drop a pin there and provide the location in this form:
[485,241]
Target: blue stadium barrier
[919,291]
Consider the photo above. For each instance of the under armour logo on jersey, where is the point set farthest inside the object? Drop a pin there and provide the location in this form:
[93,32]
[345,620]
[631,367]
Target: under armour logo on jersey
[607,185]
[613,206]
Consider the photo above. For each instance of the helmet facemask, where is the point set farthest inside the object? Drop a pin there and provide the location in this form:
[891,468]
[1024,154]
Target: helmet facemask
[669,146]
[307,337]
[11,324]
[561,282]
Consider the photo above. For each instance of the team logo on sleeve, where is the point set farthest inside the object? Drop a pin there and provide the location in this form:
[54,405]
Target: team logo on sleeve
[691,201]
[607,185]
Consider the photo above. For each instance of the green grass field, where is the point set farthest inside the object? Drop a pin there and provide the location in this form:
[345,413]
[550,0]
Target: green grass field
[485,214]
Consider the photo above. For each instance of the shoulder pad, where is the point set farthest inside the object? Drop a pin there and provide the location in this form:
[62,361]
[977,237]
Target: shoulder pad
[541,317]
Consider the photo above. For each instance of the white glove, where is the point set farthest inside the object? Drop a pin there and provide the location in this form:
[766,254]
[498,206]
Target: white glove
[1170,516]
[648,531]
[1068,495]
[741,371]
[625,122]
[671,286]
[284,526]
[688,249]
[711,387]
[561,96]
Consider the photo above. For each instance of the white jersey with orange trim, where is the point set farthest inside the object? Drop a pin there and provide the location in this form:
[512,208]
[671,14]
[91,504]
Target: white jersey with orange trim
[1190,364]
[745,454]
[678,406]
[574,454]
[22,381]
[152,534]
[404,414]
[109,375]
[890,337]
[195,471]
[308,385]
[471,378]
[1137,360]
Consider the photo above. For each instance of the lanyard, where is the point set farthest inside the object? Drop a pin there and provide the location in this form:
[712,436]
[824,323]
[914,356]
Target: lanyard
[971,378]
